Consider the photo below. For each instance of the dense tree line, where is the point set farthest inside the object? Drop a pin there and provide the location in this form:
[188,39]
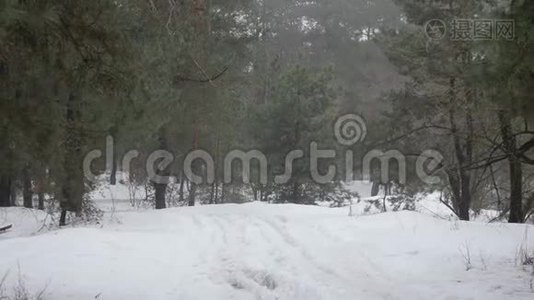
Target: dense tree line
[269,75]
[471,99]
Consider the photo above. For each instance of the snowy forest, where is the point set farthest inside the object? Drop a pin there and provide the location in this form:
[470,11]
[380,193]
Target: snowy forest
[266,149]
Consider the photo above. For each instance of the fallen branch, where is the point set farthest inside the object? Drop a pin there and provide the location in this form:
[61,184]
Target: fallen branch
[5,228]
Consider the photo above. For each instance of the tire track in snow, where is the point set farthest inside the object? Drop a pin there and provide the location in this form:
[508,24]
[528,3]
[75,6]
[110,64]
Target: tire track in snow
[298,255]
[324,270]
[262,276]
[243,250]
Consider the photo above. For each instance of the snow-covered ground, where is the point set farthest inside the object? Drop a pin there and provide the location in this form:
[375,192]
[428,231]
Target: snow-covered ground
[263,251]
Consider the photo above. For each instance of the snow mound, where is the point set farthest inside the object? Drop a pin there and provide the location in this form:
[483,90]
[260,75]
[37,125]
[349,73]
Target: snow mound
[261,251]
[25,222]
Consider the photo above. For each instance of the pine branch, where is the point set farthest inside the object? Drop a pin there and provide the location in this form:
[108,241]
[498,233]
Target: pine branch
[207,79]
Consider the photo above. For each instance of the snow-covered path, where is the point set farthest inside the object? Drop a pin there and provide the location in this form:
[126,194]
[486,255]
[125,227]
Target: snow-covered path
[259,251]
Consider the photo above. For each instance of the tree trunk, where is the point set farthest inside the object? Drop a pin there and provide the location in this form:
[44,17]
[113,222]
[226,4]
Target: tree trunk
[27,194]
[454,183]
[73,180]
[13,200]
[160,191]
[160,188]
[181,192]
[5,179]
[63,217]
[5,191]
[516,191]
[462,194]
[41,198]
[113,175]
[192,192]
[516,172]
[40,186]
[201,20]
[201,25]
[255,192]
